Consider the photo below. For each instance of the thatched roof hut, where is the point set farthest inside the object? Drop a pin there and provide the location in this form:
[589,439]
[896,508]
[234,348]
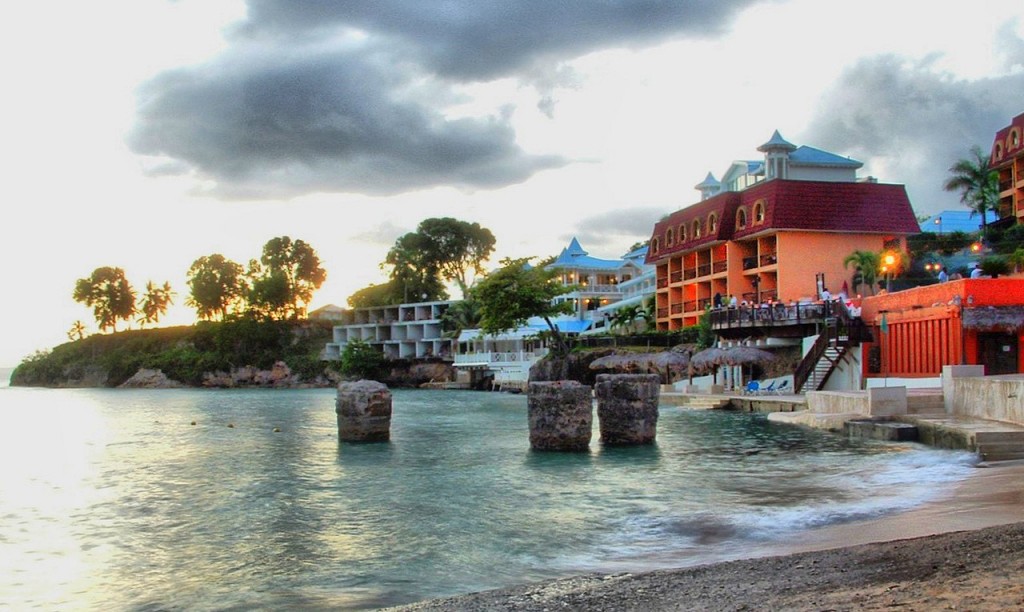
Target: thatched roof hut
[1001,318]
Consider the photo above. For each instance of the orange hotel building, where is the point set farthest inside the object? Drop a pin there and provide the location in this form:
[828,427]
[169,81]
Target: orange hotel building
[1008,161]
[771,229]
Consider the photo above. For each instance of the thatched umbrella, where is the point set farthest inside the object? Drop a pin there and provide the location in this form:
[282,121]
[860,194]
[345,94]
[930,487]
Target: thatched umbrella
[708,360]
[662,363]
[745,355]
[667,362]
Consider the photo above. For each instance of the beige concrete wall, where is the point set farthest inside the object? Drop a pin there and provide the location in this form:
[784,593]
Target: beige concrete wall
[953,372]
[887,401]
[1000,398]
[881,401]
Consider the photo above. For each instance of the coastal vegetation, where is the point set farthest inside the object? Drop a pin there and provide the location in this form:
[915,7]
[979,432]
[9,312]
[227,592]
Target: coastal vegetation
[185,354]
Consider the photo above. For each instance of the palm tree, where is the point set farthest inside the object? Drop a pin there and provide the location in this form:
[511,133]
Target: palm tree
[77,331]
[464,314]
[977,183]
[865,268]
[155,302]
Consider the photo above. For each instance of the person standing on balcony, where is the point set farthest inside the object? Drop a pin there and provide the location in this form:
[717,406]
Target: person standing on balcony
[732,301]
[943,276]
[826,295]
[717,302]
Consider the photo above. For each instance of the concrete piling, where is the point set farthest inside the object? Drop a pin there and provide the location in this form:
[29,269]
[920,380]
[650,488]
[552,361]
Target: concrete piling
[364,411]
[627,408]
[560,415]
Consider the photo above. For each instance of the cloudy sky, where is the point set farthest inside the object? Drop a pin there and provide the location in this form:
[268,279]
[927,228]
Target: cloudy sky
[146,133]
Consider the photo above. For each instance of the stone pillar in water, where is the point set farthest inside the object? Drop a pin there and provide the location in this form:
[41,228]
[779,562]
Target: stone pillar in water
[627,408]
[364,411]
[560,415]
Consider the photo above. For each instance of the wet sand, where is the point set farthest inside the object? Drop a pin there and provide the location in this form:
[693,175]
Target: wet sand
[965,551]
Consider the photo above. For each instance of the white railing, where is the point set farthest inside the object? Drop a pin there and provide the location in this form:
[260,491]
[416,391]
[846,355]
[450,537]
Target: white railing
[497,357]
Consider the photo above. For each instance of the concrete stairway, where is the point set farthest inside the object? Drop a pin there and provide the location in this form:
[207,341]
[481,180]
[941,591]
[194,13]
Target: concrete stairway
[999,445]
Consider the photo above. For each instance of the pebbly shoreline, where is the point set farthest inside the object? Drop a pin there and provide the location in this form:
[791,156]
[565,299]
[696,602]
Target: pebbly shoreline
[965,551]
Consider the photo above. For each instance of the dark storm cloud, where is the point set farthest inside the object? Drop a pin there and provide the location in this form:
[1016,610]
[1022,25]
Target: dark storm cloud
[911,122]
[617,228]
[351,96]
[484,39]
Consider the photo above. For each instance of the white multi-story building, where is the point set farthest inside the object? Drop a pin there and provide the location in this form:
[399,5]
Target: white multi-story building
[403,331]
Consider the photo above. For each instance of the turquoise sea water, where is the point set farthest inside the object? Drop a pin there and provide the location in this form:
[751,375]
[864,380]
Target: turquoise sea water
[112,499]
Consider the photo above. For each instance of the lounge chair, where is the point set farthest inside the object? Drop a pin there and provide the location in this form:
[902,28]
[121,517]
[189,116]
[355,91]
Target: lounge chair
[752,388]
[782,388]
[768,390]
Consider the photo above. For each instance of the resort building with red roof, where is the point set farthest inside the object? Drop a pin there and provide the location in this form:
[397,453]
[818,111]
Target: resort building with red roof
[1008,160]
[773,230]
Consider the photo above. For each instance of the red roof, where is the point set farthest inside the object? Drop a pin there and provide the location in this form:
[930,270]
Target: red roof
[1009,141]
[872,208]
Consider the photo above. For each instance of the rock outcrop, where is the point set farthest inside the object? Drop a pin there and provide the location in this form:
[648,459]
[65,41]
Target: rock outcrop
[150,379]
[560,415]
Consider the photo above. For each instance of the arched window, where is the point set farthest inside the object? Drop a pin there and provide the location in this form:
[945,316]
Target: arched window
[654,245]
[741,218]
[712,223]
[999,151]
[668,237]
[759,211]
[1014,137]
[696,229]
[682,233]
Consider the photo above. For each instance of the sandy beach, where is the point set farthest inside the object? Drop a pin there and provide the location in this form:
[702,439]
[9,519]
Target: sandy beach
[962,552]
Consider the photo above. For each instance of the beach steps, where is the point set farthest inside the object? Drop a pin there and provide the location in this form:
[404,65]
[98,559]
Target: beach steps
[925,401]
[999,445]
[707,402]
[992,440]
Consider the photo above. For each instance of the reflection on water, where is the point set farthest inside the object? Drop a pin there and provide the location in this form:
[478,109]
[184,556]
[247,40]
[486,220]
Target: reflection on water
[114,499]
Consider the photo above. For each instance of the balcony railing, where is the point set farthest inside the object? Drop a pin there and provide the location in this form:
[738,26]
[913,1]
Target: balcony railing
[749,262]
[690,306]
[677,309]
[662,283]
[703,270]
[758,315]
[499,357]
[676,276]
[662,313]
[769,259]
[719,266]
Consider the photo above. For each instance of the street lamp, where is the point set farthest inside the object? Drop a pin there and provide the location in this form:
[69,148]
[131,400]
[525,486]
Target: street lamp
[889,262]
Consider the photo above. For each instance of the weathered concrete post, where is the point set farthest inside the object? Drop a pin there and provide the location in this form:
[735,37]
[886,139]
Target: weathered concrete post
[561,415]
[364,411]
[627,408]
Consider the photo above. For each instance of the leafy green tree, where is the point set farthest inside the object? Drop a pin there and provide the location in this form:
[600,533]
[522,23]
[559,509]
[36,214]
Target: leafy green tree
[383,294]
[109,294]
[456,248]
[217,286]
[155,302]
[290,275]
[415,275]
[977,183]
[360,359]
[865,265]
[441,249]
[514,293]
